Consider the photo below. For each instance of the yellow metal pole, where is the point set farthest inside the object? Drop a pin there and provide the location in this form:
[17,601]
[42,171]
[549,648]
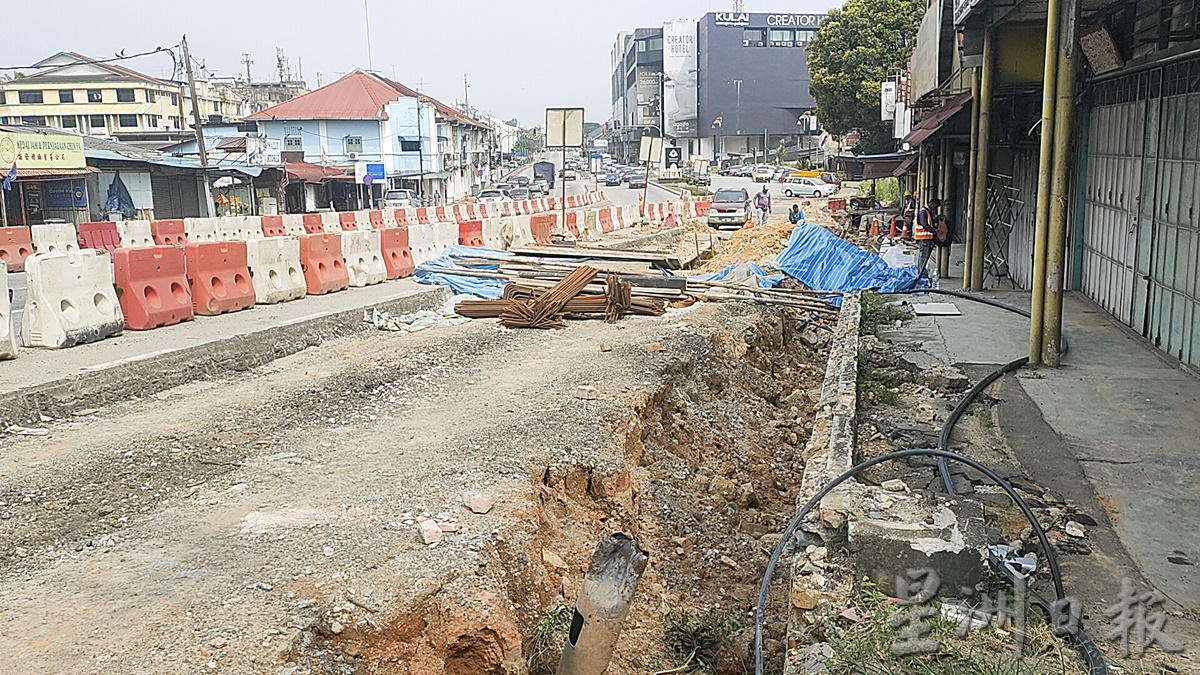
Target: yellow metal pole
[947,197]
[969,232]
[1041,231]
[980,170]
[1064,112]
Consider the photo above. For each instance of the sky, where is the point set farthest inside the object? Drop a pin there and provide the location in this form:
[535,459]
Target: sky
[519,57]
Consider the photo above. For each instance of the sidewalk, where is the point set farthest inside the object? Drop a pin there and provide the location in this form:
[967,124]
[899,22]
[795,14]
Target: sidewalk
[1115,430]
[141,363]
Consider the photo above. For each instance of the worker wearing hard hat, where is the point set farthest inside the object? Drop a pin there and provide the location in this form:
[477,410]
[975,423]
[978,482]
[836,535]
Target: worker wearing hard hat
[924,227]
[908,212]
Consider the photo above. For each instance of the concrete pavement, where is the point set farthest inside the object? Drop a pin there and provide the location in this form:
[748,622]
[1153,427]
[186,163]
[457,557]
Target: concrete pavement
[1115,430]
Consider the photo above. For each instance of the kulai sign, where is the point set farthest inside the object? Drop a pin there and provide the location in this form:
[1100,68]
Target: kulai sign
[41,151]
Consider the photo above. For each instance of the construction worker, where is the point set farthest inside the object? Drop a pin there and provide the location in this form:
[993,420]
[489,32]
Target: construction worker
[908,212]
[762,204]
[796,215]
[924,227]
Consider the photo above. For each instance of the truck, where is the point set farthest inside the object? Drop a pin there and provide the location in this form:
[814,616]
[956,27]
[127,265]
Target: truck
[545,171]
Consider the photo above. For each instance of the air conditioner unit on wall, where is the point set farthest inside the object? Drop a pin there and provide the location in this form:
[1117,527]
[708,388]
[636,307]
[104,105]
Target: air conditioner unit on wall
[352,155]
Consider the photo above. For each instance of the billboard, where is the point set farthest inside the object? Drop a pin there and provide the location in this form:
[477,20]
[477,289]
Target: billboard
[679,78]
[923,67]
[41,151]
[649,98]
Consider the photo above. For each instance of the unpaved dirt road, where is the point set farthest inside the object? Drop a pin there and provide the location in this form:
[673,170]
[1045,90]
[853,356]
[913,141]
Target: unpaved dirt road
[266,523]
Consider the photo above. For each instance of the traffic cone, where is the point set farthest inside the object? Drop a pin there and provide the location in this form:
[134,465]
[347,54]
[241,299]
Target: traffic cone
[892,233]
[875,226]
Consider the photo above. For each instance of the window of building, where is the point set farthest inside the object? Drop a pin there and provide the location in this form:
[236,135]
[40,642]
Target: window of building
[293,143]
[175,122]
[653,44]
[782,37]
[96,121]
[410,146]
[151,96]
[125,96]
[354,144]
[95,96]
[803,37]
[127,120]
[69,122]
[152,121]
[174,99]
[66,96]
[37,120]
[754,37]
[29,96]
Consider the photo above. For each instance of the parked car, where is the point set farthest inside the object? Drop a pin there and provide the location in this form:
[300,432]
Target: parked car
[743,171]
[729,170]
[730,206]
[637,181]
[613,178]
[539,186]
[831,178]
[493,196]
[519,193]
[763,174]
[703,178]
[804,186]
[400,199]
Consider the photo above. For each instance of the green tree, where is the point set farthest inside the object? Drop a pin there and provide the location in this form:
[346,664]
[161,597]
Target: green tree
[857,46]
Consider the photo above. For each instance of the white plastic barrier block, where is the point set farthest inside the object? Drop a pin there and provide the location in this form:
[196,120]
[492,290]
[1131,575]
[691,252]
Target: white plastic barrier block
[251,227]
[363,254]
[493,233]
[518,232]
[135,233]
[275,269]
[230,228]
[293,223]
[363,219]
[200,229]
[422,241]
[332,221]
[591,225]
[71,299]
[447,235]
[8,336]
[389,218]
[54,238]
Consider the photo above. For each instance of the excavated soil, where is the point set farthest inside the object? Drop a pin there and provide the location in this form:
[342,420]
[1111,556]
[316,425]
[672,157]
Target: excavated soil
[269,522]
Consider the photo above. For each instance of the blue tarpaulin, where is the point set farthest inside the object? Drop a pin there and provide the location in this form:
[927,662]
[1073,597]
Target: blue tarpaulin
[824,261]
[738,273]
[489,289]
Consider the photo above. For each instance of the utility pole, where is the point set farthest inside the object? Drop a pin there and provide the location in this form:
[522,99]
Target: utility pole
[466,95]
[187,60]
[367,16]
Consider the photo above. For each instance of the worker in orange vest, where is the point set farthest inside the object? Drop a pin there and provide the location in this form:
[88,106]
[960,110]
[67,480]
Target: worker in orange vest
[927,221]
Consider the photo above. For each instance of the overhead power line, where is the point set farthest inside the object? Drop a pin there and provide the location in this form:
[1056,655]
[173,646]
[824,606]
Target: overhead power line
[120,56]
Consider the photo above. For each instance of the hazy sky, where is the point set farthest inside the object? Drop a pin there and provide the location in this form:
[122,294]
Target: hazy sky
[520,57]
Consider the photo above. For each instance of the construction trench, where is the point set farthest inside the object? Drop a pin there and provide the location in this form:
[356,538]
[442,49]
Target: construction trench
[429,502]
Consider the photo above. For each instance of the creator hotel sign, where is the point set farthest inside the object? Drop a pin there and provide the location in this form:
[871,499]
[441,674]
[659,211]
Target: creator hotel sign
[760,20]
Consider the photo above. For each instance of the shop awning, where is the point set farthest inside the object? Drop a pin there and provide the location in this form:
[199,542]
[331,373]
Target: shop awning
[52,174]
[906,166]
[935,120]
[315,173]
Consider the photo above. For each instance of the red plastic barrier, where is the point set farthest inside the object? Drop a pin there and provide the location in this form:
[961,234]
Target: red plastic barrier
[313,224]
[702,208]
[168,232]
[152,286]
[397,256]
[219,277]
[377,221]
[101,235]
[423,215]
[442,216]
[837,204]
[401,217]
[542,225]
[16,245]
[573,222]
[272,226]
[619,219]
[473,212]
[470,233]
[604,216]
[349,220]
[321,260]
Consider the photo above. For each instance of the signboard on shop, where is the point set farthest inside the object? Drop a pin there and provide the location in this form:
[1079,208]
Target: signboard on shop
[41,151]
[369,172]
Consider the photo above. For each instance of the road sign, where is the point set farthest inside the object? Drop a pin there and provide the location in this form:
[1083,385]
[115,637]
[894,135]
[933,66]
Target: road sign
[564,127]
[375,170]
[674,157]
[651,149]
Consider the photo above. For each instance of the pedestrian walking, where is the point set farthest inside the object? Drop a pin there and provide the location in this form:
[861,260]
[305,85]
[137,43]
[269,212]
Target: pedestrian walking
[762,203]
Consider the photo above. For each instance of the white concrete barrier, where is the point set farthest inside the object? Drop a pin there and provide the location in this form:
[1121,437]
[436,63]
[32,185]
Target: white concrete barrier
[518,232]
[275,269]
[332,221]
[447,235]
[293,223]
[493,233]
[70,299]
[8,336]
[422,241]
[389,218]
[591,224]
[54,238]
[363,254]
[251,227]
[134,233]
[200,229]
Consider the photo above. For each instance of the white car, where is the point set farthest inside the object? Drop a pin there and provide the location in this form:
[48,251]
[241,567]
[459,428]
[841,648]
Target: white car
[400,199]
[803,186]
[493,197]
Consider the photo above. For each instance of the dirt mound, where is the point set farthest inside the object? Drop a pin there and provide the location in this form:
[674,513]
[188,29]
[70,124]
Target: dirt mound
[754,244]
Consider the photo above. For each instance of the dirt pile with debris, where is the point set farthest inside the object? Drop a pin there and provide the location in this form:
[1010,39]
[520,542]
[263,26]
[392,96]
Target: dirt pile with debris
[410,503]
[755,244]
